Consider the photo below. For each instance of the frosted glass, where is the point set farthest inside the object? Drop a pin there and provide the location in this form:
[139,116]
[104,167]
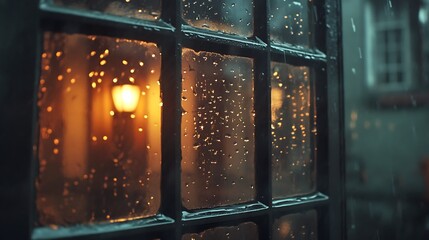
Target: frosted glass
[299,226]
[217,130]
[244,231]
[228,16]
[95,162]
[141,9]
[291,22]
[292,133]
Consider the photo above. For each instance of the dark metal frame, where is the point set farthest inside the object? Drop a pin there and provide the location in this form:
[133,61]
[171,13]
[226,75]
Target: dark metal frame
[18,118]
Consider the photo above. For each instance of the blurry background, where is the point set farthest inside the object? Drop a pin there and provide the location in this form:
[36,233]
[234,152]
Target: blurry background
[386,71]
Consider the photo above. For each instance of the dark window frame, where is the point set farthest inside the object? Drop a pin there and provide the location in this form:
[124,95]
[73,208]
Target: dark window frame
[19,115]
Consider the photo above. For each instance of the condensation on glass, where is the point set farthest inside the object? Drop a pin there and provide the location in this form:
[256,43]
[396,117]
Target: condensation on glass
[244,231]
[217,130]
[140,9]
[291,22]
[228,16]
[293,127]
[97,163]
[299,226]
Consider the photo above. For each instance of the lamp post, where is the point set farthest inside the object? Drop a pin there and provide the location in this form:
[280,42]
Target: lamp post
[126,99]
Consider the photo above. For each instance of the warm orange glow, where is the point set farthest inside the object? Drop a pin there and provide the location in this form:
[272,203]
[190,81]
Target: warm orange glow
[284,229]
[276,102]
[126,97]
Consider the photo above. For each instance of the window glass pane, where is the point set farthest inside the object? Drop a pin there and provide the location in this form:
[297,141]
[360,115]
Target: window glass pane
[99,159]
[229,16]
[291,22]
[300,226]
[217,130]
[141,9]
[244,231]
[292,133]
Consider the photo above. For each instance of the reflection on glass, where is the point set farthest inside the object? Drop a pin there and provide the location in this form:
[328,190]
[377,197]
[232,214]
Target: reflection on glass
[141,9]
[292,158]
[98,161]
[290,22]
[300,226]
[217,130]
[244,231]
[228,16]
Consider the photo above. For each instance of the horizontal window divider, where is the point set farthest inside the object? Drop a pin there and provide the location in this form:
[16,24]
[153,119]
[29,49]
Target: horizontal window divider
[223,38]
[239,211]
[151,224]
[302,202]
[103,19]
[286,51]
[223,49]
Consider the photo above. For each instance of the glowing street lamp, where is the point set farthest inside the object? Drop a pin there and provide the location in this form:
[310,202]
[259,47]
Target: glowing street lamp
[126,97]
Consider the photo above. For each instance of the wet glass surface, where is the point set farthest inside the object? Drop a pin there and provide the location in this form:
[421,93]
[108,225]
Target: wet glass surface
[217,130]
[291,21]
[293,129]
[98,161]
[228,16]
[244,231]
[299,226]
[141,9]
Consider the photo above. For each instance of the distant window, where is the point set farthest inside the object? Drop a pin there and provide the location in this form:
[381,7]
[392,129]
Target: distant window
[389,65]
[424,21]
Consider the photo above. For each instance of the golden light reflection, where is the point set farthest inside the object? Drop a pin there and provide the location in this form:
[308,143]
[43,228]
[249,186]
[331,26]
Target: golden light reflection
[78,141]
[276,102]
[301,225]
[292,143]
[284,229]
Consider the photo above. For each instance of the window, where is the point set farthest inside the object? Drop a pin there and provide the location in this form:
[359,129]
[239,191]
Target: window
[163,120]
[423,18]
[388,41]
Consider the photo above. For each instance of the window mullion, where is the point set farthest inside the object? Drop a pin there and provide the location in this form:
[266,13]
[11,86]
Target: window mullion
[335,123]
[171,202]
[17,104]
[262,95]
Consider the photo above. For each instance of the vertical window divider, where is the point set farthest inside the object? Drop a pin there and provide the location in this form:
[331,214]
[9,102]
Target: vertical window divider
[262,105]
[19,73]
[171,85]
[34,159]
[335,123]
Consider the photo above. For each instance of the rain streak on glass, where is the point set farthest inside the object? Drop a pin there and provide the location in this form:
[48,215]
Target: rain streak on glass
[291,22]
[292,133]
[140,9]
[97,163]
[228,16]
[217,130]
[244,231]
[299,226]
